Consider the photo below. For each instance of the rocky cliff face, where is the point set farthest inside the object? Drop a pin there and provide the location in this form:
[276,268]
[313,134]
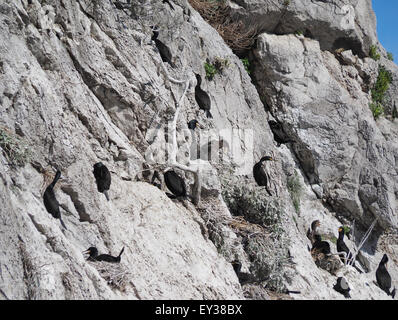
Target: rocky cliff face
[84,81]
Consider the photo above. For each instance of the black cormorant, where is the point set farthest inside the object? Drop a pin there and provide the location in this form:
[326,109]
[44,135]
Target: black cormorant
[320,246]
[164,50]
[193,124]
[342,247]
[259,173]
[383,277]
[103,178]
[93,252]
[175,183]
[342,287]
[50,202]
[202,98]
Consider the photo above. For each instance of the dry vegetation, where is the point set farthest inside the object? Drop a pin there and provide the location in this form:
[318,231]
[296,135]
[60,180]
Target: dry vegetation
[238,37]
[116,274]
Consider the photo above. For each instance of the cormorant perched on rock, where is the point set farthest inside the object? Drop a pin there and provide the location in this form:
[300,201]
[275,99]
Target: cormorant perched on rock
[93,252]
[342,287]
[260,175]
[103,178]
[383,277]
[320,246]
[193,124]
[164,50]
[175,183]
[312,232]
[342,247]
[202,98]
[50,202]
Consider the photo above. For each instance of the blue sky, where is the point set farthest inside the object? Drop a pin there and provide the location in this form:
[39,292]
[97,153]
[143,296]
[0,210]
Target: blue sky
[387,24]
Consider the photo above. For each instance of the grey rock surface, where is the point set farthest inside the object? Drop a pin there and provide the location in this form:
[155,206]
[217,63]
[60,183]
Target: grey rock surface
[335,24]
[82,82]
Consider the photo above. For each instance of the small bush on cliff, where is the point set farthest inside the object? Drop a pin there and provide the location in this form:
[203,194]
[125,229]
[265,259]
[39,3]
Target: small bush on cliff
[373,53]
[210,70]
[15,149]
[266,244]
[246,64]
[390,56]
[378,92]
[382,84]
[218,66]
[268,258]
[377,109]
[252,202]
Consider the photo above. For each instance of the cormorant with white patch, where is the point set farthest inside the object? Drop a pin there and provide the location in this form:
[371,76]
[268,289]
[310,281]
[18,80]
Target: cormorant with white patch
[342,287]
[202,98]
[93,252]
[102,178]
[50,201]
[259,173]
[383,277]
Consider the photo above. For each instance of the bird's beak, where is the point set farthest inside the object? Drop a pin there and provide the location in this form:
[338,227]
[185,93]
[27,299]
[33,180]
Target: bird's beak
[86,251]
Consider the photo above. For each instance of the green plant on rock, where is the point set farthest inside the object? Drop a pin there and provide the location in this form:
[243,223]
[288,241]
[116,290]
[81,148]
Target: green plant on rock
[210,71]
[246,64]
[346,229]
[378,92]
[377,109]
[373,53]
[295,190]
[15,149]
[390,56]
[381,86]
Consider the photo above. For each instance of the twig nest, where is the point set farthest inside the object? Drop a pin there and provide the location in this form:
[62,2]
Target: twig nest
[116,275]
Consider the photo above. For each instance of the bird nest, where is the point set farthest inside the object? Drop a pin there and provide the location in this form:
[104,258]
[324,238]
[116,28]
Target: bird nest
[330,263]
[240,224]
[116,275]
